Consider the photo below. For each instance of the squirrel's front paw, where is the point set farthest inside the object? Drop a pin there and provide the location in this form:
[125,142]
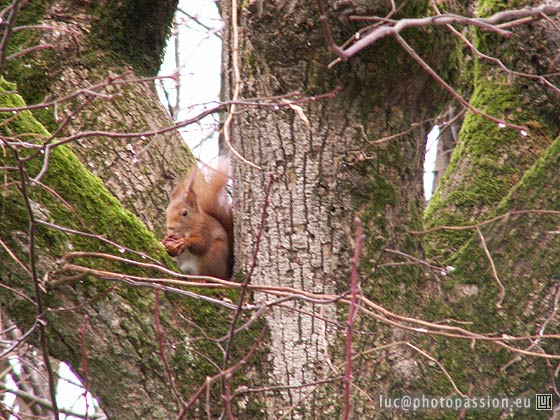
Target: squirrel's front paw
[173,245]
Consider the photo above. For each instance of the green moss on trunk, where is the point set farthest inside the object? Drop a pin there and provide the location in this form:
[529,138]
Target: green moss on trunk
[524,249]
[135,31]
[121,323]
[490,158]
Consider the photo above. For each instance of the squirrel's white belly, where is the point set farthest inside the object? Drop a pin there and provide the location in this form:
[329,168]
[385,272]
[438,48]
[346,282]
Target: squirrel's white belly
[188,263]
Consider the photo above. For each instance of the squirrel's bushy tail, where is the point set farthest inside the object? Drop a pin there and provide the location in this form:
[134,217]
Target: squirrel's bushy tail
[210,185]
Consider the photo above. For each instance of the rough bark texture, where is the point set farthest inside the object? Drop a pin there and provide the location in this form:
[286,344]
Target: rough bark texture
[489,160]
[124,339]
[141,170]
[327,169]
[330,169]
[95,43]
[493,171]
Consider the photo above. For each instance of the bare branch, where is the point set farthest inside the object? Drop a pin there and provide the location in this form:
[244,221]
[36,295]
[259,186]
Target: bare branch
[502,293]
[394,28]
[352,311]
[38,290]
[501,123]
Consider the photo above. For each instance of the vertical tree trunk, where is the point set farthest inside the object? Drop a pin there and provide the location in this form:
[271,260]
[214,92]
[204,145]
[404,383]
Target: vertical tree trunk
[101,51]
[327,161]
[491,157]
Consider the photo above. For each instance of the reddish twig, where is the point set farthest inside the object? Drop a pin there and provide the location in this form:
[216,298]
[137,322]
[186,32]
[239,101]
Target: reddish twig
[227,398]
[367,306]
[498,62]
[501,123]
[168,373]
[42,323]
[249,276]
[15,258]
[394,28]
[12,11]
[91,90]
[535,341]
[485,222]
[46,144]
[20,341]
[30,50]
[231,370]
[84,365]
[352,311]
[502,293]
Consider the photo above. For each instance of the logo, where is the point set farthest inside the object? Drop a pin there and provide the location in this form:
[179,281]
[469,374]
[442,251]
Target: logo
[543,401]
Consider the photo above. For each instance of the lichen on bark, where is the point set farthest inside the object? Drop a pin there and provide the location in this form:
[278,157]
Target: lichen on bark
[328,168]
[87,206]
[490,157]
[500,172]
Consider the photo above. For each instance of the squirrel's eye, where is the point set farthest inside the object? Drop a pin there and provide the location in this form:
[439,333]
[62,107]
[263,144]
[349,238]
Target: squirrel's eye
[185,213]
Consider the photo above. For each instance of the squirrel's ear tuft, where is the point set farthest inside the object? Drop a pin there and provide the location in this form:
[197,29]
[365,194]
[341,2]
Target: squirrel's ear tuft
[191,199]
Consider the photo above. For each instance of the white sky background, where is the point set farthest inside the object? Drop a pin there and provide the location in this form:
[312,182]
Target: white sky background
[200,65]
[430,162]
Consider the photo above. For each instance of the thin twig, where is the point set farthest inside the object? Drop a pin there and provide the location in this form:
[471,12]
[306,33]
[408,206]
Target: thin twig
[23,186]
[368,307]
[29,50]
[246,282]
[161,348]
[84,365]
[502,292]
[236,86]
[47,404]
[352,311]
[394,29]
[231,370]
[522,129]
[483,223]
[14,257]
[8,29]
[497,61]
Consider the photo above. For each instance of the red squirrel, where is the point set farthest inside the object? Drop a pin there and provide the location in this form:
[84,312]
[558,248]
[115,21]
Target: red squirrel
[200,223]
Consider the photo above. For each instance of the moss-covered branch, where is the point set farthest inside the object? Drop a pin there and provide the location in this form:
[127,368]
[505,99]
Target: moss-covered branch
[122,337]
[491,158]
[125,369]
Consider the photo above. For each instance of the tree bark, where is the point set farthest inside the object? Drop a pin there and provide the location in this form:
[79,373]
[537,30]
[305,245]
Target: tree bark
[89,52]
[124,344]
[99,50]
[329,162]
[357,151]
[491,157]
[503,272]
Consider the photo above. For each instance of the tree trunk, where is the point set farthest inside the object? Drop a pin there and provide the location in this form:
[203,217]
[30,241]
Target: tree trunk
[331,144]
[327,161]
[116,315]
[332,159]
[504,274]
[99,52]
[104,53]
